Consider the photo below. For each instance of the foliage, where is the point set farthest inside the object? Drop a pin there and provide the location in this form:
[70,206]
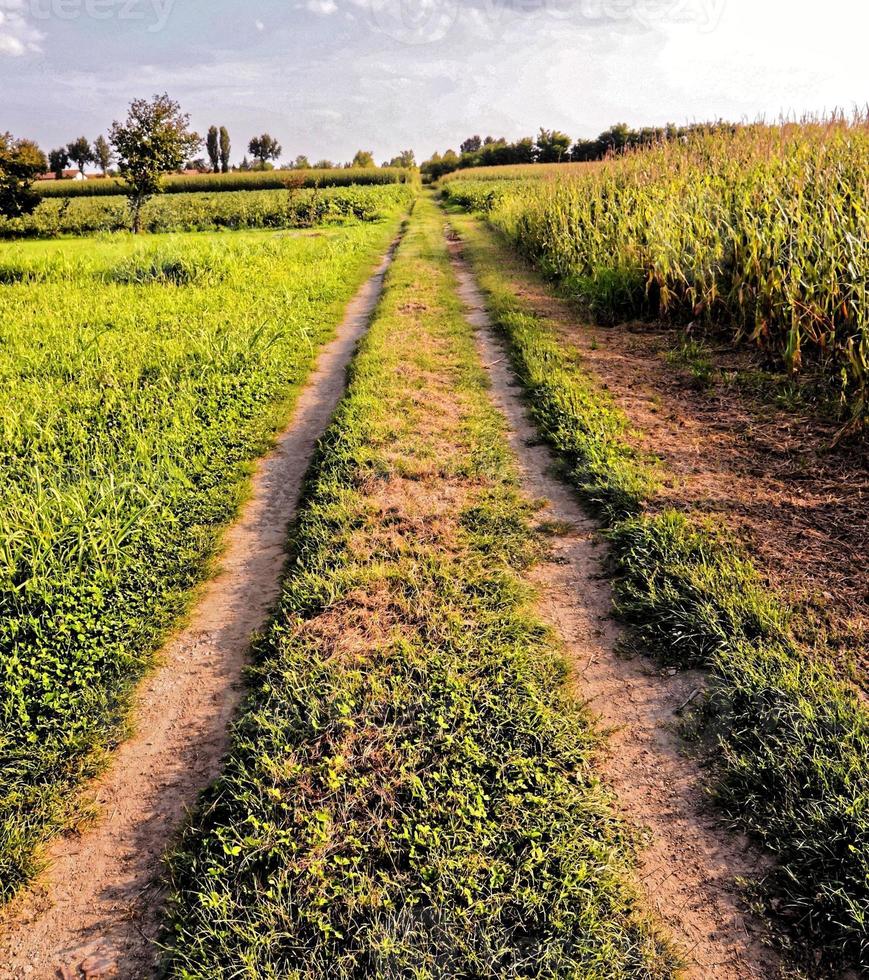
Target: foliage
[406,160]
[80,152]
[136,384]
[363,159]
[21,162]
[102,154]
[264,148]
[225,148]
[212,146]
[154,140]
[409,793]
[58,161]
[763,232]
[552,146]
[205,212]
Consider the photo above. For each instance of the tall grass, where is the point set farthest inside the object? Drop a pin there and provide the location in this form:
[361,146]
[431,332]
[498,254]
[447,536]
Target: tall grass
[294,208]
[137,381]
[253,180]
[763,233]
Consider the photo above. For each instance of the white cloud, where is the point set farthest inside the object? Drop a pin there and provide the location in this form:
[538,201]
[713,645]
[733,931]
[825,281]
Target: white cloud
[260,26]
[17,37]
[322,7]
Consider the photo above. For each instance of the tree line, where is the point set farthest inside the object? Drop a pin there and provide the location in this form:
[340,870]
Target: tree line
[263,150]
[154,140]
[554,146]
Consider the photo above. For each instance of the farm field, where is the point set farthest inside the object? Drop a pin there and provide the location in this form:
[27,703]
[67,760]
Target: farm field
[763,233]
[567,672]
[198,211]
[238,181]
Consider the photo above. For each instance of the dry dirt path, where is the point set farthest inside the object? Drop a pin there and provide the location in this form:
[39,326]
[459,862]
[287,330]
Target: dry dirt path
[95,911]
[687,871]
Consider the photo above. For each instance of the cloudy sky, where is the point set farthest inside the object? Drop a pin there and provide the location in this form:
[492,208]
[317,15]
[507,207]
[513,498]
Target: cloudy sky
[330,76]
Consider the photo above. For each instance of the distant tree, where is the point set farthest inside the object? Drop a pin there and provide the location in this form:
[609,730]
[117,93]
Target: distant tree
[406,160]
[552,146]
[225,149]
[471,145]
[324,165]
[245,164]
[21,162]
[102,154]
[200,164]
[264,148]
[212,145]
[80,152]
[154,140]
[301,162]
[58,161]
[364,158]
[616,138]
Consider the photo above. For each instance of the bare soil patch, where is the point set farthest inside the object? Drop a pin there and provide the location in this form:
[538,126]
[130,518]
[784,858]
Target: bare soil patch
[95,912]
[770,475]
[689,868]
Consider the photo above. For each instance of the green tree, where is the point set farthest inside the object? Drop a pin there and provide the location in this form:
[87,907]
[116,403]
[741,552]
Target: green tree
[324,165]
[154,140]
[264,148]
[301,162]
[363,158]
[58,161]
[225,149]
[471,145]
[21,162]
[80,152]
[406,160]
[102,154]
[553,146]
[212,145]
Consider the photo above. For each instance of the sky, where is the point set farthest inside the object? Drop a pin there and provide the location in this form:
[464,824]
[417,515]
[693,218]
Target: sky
[328,77]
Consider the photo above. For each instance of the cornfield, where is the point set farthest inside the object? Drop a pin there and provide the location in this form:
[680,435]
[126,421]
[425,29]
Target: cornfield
[764,232]
[250,180]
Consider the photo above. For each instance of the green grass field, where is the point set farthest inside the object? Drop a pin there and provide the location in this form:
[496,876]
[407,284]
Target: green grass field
[138,379]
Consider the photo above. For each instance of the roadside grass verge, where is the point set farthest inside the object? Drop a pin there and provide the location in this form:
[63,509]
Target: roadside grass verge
[409,792]
[133,401]
[790,761]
